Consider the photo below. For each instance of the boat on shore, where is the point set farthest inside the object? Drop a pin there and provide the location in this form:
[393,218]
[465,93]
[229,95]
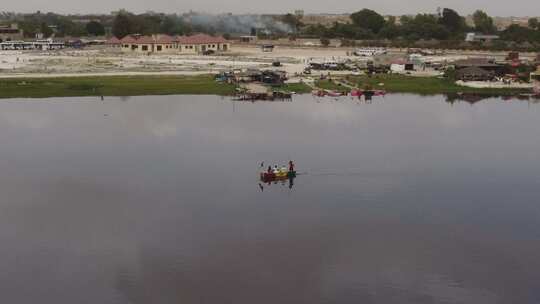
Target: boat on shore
[352,93]
[333,93]
[358,93]
[318,93]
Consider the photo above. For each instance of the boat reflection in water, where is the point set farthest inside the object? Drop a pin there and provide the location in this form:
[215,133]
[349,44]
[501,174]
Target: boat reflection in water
[281,178]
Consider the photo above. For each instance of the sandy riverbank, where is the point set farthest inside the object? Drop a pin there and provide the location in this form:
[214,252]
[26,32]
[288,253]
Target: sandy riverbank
[104,61]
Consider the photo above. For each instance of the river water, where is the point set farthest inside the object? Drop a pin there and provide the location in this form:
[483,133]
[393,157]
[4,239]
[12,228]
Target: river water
[156,199]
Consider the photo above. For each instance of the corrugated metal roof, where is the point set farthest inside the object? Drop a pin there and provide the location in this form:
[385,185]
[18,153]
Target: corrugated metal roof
[113,40]
[128,39]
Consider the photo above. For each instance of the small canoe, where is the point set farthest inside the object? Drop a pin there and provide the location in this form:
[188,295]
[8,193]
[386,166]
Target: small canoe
[333,93]
[356,93]
[281,175]
[319,93]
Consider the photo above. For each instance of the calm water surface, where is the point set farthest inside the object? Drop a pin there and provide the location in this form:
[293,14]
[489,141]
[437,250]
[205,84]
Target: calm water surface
[156,200]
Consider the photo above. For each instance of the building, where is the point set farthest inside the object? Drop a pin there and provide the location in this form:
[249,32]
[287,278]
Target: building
[483,63]
[248,39]
[475,37]
[10,32]
[401,66]
[474,74]
[45,44]
[114,42]
[199,43]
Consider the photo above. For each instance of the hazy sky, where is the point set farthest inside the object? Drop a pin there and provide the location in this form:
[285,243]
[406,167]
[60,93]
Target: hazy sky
[395,7]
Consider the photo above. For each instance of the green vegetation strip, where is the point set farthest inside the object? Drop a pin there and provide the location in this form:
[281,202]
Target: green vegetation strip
[205,84]
[410,84]
[112,86]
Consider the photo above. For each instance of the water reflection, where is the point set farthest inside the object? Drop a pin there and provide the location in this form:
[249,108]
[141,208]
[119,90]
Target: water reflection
[473,98]
[289,182]
[451,98]
[408,200]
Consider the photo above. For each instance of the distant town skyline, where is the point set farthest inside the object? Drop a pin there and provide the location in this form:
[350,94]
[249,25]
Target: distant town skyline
[518,8]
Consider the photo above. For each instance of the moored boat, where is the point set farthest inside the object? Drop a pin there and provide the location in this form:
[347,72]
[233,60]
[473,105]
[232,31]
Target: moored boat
[319,93]
[356,93]
[333,93]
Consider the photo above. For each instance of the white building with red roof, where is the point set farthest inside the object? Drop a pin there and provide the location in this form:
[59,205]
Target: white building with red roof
[198,43]
[114,42]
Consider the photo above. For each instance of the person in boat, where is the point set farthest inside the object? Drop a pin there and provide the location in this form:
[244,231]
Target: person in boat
[276,169]
[269,170]
[291,166]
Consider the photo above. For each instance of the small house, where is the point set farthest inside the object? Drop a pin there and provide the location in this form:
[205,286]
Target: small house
[114,42]
[475,37]
[11,32]
[248,39]
[199,43]
[401,66]
[267,47]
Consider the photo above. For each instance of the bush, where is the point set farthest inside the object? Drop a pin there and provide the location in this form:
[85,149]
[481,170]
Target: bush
[325,42]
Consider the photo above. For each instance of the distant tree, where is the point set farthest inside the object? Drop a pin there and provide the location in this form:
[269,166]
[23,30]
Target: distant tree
[30,27]
[95,28]
[45,30]
[483,23]
[316,30]
[148,24]
[349,31]
[368,19]
[452,21]
[168,25]
[293,21]
[518,33]
[390,31]
[122,25]
[65,27]
[534,24]
[423,26]
[77,30]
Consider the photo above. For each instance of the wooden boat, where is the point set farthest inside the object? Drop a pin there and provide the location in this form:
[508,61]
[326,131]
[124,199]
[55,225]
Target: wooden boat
[356,93]
[374,92]
[332,93]
[281,175]
[318,93]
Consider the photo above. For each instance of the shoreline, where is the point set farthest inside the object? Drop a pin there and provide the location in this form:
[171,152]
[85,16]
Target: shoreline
[135,84]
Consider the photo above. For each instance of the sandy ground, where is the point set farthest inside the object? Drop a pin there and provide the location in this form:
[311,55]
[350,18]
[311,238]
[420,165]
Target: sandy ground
[105,61]
[494,85]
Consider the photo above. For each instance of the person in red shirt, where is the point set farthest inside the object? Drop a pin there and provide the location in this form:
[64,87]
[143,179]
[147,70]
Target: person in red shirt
[291,166]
